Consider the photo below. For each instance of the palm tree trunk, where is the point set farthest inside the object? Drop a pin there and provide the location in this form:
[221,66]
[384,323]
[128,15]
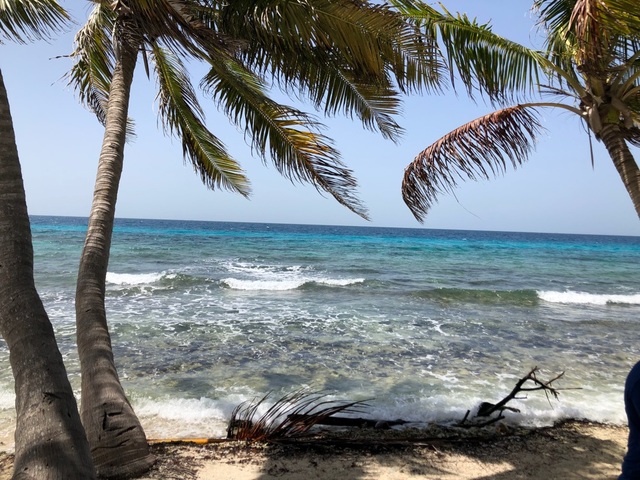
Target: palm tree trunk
[622,158]
[50,440]
[118,442]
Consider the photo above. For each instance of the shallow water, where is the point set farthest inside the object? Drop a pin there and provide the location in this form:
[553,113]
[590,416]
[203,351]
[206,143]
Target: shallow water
[424,323]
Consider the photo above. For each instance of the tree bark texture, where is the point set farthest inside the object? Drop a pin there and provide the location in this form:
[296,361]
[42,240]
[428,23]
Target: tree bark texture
[118,442]
[623,160]
[50,440]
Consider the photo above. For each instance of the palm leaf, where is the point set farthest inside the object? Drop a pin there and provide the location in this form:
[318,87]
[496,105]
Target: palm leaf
[289,136]
[345,55]
[183,116]
[477,150]
[335,90]
[483,60]
[588,32]
[282,418]
[371,41]
[25,20]
[93,54]
[619,17]
[381,31]
[299,24]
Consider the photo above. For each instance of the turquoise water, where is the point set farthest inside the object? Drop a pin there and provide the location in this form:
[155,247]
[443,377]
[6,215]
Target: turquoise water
[426,323]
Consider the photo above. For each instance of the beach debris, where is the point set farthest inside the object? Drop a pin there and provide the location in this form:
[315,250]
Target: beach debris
[291,415]
[352,422]
[486,409]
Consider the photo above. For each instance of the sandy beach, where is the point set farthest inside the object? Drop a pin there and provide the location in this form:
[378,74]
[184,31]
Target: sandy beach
[579,450]
[571,450]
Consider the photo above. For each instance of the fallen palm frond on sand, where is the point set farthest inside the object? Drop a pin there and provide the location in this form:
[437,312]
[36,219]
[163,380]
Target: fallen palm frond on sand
[291,415]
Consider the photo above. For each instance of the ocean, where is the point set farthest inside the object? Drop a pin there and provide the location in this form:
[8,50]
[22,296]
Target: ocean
[423,324]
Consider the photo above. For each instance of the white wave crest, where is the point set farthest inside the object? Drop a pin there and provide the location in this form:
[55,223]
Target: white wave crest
[279,285]
[257,269]
[588,298]
[252,276]
[286,283]
[341,282]
[136,278]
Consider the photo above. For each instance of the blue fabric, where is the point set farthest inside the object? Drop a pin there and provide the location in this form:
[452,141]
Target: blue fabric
[631,462]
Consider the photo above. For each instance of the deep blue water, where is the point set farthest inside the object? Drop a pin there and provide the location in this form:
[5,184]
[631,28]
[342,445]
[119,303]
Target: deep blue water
[428,323]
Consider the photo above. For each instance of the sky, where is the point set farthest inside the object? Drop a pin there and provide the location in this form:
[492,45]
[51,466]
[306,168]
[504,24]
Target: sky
[557,190]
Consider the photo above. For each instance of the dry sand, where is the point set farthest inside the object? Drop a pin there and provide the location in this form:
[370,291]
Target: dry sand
[572,450]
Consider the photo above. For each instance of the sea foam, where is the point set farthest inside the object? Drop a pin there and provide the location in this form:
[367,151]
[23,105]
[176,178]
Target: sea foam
[287,284]
[570,297]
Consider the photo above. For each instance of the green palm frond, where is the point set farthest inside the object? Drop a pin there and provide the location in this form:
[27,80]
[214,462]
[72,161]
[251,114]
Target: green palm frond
[588,32]
[479,149]
[93,54]
[483,60]
[183,116]
[334,88]
[375,105]
[289,136]
[400,45]
[370,40]
[621,17]
[304,23]
[337,92]
[25,20]
[177,23]
[347,56]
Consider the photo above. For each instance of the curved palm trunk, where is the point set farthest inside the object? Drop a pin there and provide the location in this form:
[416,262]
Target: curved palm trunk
[118,442]
[50,440]
[622,158]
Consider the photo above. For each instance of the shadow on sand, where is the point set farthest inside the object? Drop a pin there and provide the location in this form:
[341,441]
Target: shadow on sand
[573,450]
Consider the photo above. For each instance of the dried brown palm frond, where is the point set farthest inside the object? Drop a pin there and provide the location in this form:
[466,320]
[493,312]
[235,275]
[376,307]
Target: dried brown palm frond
[477,150]
[291,415]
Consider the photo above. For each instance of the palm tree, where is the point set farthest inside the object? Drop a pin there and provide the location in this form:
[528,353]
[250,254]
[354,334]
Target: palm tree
[354,58]
[592,69]
[342,55]
[50,440]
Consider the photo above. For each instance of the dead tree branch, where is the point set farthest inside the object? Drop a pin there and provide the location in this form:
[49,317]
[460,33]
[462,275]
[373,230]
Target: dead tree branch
[486,409]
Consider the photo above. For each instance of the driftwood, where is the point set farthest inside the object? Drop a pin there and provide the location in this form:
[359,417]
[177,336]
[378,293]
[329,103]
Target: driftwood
[349,422]
[486,409]
[294,414]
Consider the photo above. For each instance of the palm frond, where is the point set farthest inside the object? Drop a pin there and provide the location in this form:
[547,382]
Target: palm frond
[182,115]
[590,34]
[177,24]
[290,136]
[477,150]
[335,90]
[25,20]
[282,418]
[483,60]
[619,17]
[412,57]
[370,40]
[346,55]
[299,24]
[375,105]
[93,57]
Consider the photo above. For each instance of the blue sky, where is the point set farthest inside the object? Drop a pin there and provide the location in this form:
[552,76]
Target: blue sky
[59,142]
